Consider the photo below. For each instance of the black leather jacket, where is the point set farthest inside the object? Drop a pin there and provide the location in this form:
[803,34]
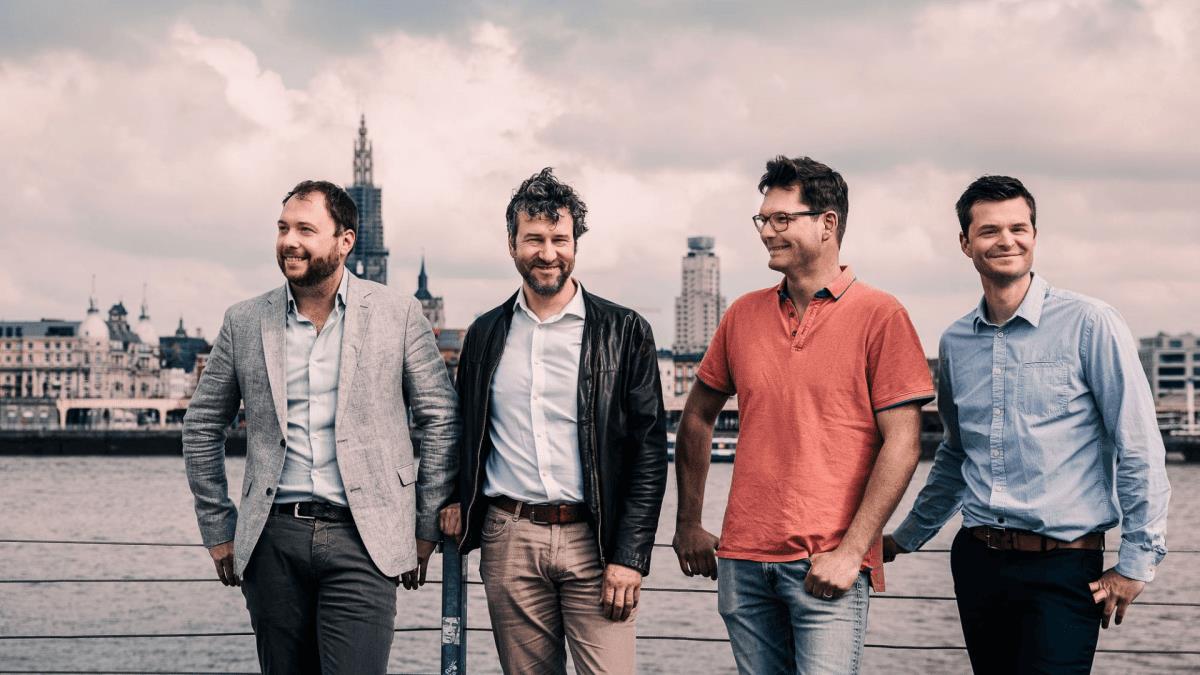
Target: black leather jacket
[622,426]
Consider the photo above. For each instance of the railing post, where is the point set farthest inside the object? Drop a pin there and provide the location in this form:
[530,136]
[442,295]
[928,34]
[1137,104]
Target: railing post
[454,610]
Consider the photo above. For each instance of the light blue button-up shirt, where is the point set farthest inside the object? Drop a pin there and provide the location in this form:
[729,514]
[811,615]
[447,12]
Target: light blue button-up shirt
[1049,427]
[310,470]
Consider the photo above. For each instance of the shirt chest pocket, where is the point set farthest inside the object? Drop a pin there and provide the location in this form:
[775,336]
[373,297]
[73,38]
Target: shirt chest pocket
[1042,388]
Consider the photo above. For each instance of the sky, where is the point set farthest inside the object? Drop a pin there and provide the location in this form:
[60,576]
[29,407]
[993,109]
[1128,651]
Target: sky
[150,143]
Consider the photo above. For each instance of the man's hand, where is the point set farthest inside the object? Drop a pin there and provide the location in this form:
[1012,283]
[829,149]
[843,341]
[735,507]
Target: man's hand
[415,578]
[1117,592]
[697,550]
[832,573]
[622,591]
[891,549]
[222,556]
[450,522]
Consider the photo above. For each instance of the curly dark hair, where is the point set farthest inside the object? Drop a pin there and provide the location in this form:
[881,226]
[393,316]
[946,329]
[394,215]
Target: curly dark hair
[543,195]
[821,188]
[340,205]
[993,189]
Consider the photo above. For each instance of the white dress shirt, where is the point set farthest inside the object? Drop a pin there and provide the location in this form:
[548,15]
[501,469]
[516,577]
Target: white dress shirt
[534,409]
[310,470]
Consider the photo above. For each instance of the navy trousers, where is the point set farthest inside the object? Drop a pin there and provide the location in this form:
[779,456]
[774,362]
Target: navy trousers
[1026,612]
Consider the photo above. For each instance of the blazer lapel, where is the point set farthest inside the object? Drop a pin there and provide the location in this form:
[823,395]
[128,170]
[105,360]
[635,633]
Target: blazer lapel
[358,311]
[274,331]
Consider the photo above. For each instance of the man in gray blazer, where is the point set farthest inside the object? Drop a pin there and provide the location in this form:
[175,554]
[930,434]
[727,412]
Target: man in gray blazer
[334,513]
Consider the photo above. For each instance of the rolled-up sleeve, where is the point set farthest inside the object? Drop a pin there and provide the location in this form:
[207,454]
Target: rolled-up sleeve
[1122,394]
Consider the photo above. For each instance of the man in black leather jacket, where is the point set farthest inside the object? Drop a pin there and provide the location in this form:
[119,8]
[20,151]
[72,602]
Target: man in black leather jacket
[563,458]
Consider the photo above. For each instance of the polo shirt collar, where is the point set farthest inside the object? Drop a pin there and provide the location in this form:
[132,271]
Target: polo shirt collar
[836,288]
[1030,308]
[575,307]
[339,300]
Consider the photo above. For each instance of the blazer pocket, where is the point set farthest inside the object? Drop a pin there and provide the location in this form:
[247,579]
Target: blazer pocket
[246,487]
[407,473]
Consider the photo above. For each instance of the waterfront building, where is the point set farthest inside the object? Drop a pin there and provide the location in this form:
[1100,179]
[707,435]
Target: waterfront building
[181,355]
[700,305]
[666,373]
[1170,361]
[179,351]
[683,368]
[44,359]
[50,359]
[449,342]
[433,307]
[369,258]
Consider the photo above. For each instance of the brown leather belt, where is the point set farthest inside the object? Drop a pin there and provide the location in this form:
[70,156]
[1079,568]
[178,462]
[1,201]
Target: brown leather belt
[1001,539]
[542,514]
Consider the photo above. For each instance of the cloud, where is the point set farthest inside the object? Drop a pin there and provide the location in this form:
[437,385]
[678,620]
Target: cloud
[163,159]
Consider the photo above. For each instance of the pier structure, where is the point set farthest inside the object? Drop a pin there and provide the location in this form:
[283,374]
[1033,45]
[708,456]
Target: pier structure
[162,406]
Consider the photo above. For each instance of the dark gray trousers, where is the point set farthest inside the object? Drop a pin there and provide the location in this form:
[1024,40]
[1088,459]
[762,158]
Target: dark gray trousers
[317,603]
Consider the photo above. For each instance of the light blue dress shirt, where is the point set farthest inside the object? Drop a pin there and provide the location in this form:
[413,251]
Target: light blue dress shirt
[1049,427]
[310,470]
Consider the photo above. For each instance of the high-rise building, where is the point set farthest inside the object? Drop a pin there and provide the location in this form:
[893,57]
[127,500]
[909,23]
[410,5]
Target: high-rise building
[700,305]
[369,258]
[432,306]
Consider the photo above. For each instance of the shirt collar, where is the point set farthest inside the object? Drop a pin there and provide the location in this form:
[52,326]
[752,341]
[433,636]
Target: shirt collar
[575,307]
[836,288]
[339,299]
[1030,308]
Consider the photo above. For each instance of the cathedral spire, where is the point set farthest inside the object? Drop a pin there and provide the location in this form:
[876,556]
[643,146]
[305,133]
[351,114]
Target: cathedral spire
[364,164]
[423,283]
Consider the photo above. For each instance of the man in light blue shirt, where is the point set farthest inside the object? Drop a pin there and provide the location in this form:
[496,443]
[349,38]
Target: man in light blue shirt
[1050,440]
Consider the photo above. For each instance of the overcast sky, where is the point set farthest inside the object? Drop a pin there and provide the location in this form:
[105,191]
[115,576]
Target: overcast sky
[151,142]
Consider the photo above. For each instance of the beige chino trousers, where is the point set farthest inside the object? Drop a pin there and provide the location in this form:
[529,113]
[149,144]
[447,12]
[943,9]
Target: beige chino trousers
[543,583]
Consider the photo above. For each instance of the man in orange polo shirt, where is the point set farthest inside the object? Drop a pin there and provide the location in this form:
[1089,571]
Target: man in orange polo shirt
[830,377]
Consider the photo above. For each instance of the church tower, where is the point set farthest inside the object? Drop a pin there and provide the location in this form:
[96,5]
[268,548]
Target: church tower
[369,258]
[433,307]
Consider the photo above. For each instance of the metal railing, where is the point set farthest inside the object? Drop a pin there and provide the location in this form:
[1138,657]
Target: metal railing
[454,627]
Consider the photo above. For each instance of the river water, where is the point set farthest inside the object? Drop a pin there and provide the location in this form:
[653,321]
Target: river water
[147,499]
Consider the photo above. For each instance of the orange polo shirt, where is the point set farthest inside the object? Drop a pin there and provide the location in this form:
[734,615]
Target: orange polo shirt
[808,390]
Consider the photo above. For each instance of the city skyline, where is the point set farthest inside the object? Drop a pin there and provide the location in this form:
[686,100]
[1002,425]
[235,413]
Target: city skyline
[164,137]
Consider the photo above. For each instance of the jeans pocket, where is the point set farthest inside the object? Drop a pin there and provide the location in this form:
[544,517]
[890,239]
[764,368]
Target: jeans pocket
[494,526]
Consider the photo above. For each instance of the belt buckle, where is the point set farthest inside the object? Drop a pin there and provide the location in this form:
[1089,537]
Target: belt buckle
[296,512]
[999,532]
[533,518]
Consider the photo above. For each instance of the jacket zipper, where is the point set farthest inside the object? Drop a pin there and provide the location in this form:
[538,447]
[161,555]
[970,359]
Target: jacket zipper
[596,494]
[475,487]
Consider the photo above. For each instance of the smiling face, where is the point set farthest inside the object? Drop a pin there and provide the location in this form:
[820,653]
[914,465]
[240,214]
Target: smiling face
[1000,240]
[544,251]
[806,237]
[308,247]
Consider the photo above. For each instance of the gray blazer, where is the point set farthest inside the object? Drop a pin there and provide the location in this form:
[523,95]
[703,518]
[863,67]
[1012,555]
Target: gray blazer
[389,364]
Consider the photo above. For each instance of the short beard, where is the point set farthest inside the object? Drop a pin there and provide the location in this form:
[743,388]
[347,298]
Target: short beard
[1002,278]
[319,269]
[544,290]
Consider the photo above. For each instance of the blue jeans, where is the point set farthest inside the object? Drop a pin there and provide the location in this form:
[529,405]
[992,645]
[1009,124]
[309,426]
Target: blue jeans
[760,601]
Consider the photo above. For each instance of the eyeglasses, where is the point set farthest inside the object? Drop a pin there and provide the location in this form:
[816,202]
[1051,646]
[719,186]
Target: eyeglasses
[779,220]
